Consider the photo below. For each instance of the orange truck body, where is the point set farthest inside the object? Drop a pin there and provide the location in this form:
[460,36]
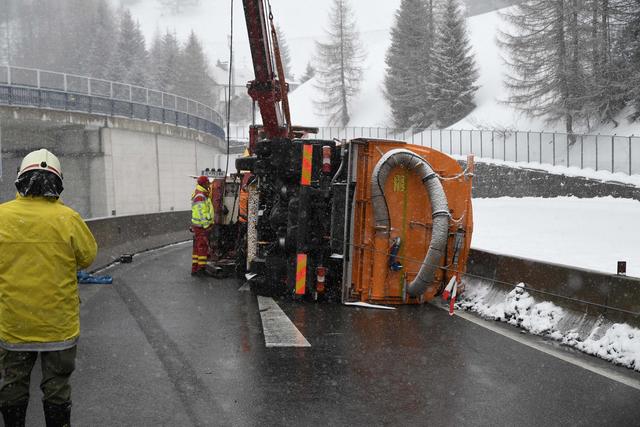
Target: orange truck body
[410,212]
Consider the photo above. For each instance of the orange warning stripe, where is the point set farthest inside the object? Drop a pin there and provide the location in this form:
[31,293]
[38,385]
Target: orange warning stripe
[307,158]
[301,274]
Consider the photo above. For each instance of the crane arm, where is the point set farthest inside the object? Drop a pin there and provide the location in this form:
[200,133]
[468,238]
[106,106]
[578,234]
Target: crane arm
[265,89]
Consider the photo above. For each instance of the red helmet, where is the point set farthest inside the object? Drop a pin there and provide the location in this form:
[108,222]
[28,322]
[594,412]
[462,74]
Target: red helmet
[203,180]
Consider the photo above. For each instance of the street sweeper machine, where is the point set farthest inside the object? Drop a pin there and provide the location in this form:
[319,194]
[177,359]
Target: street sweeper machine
[367,220]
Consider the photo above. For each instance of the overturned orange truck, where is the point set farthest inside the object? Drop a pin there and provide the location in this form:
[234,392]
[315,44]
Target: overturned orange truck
[360,220]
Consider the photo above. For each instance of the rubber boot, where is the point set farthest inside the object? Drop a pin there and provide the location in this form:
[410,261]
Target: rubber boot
[14,416]
[57,415]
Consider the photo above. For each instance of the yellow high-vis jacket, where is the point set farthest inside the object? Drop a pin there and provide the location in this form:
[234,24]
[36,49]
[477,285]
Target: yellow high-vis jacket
[42,245]
[201,208]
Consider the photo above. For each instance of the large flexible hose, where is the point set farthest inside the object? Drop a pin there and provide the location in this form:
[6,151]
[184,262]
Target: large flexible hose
[439,209]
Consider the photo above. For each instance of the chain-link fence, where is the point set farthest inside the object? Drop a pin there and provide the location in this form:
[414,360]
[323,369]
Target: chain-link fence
[613,153]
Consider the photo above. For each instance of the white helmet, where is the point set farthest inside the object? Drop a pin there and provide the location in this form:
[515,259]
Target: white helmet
[41,160]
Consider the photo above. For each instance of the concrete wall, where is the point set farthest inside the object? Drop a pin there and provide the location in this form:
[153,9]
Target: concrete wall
[111,169]
[562,285]
[79,152]
[492,180]
[148,173]
[136,233]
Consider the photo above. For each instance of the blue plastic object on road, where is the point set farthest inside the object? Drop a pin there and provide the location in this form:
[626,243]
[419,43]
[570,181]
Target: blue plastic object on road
[86,278]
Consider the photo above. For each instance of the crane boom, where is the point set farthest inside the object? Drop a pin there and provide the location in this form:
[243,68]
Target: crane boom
[266,90]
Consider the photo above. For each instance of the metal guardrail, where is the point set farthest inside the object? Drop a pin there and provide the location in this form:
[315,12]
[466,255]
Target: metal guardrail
[27,87]
[613,153]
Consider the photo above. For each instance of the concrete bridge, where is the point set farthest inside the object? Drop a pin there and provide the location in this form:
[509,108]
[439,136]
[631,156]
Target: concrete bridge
[124,149]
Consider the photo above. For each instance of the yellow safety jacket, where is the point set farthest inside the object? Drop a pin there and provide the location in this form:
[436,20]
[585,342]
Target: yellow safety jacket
[201,208]
[42,245]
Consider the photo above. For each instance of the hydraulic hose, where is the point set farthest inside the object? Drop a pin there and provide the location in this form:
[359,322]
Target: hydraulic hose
[439,208]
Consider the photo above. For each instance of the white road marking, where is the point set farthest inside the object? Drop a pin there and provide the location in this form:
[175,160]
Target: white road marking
[244,288]
[278,330]
[367,305]
[517,336]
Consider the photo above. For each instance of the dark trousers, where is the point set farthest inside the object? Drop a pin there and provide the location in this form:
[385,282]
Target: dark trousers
[15,375]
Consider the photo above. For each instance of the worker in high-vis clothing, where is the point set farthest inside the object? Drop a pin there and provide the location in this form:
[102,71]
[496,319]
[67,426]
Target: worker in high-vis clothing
[202,216]
[43,243]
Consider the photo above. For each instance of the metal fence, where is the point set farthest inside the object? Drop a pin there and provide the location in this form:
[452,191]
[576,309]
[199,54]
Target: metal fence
[613,153]
[59,91]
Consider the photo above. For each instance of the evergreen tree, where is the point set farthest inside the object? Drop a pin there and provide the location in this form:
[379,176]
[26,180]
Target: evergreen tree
[165,61]
[627,58]
[285,54]
[545,52]
[309,72]
[76,30]
[194,80]
[452,89]
[130,58]
[339,64]
[409,63]
[7,18]
[101,47]
[606,95]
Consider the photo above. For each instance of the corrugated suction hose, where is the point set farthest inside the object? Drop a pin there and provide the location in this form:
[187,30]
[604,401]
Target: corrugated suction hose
[439,209]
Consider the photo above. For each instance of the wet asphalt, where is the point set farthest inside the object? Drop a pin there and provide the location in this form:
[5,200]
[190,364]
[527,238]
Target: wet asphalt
[162,348]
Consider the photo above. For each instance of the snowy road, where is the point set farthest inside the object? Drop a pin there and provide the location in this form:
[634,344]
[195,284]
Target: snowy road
[160,347]
[587,233]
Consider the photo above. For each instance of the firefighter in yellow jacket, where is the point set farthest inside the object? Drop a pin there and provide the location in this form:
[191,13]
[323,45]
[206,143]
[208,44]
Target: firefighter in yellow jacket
[42,245]
[201,225]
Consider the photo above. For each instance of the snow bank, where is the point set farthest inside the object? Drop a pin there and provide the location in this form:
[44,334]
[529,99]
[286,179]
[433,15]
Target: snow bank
[619,344]
[518,309]
[588,233]
[616,342]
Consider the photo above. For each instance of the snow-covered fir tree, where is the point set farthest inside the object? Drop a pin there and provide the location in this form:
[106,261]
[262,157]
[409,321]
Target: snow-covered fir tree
[194,80]
[164,62]
[7,20]
[285,54]
[628,55]
[604,91]
[309,72]
[409,64]
[101,47]
[339,64]
[545,52]
[452,87]
[130,58]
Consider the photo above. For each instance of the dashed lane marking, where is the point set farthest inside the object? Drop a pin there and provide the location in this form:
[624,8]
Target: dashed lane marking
[278,329]
[516,336]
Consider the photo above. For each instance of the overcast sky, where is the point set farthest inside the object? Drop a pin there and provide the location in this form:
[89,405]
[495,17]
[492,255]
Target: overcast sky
[300,20]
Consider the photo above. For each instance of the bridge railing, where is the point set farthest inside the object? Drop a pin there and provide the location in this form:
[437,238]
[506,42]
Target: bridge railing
[61,91]
[613,153]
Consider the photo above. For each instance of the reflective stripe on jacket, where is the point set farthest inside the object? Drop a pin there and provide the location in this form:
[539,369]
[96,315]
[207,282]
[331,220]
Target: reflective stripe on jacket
[42,245]
[201,208]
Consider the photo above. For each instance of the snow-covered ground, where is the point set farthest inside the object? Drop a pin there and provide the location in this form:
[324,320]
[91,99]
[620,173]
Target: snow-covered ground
[616,342]
[586,233]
